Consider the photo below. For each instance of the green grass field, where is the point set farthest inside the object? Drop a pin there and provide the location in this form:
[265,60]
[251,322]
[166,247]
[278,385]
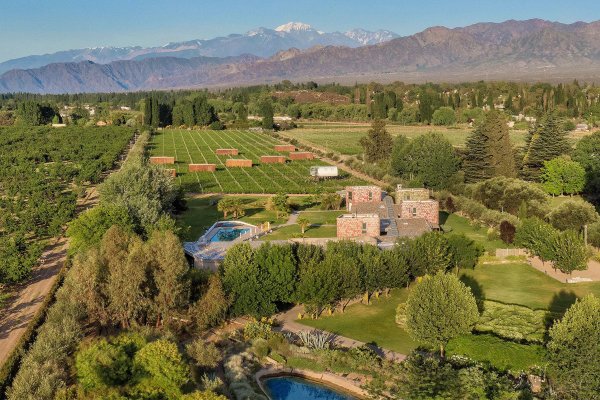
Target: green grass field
[453,223]
[516,283]
[199,147]
[344,137]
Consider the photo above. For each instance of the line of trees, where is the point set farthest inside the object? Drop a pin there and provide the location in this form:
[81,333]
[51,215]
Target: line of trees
[258,280]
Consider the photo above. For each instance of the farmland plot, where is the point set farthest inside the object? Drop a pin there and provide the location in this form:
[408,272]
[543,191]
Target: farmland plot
[199,147]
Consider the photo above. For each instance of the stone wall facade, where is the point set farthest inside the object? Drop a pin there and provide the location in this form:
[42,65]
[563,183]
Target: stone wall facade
[362,194]
[426,209]
[357,225]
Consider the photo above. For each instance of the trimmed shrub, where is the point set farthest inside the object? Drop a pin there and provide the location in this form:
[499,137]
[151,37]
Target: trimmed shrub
[507,232]
[512,322]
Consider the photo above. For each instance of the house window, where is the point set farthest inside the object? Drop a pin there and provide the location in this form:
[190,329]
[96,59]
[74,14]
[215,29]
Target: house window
[414,211]
[406,196]
[364,228]
[349,195]
[370,196]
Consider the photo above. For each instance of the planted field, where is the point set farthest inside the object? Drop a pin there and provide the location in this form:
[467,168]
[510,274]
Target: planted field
[344,137]
[199,147]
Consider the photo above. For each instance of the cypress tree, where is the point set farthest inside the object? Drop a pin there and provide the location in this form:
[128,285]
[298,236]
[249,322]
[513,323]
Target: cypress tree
[489,150]
[147,111]
[155,112]
[545,142]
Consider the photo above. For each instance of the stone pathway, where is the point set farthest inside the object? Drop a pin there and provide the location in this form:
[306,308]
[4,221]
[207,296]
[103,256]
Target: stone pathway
[287,323]
[589,275]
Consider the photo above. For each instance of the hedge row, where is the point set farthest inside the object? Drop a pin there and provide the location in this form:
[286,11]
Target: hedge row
[512,322]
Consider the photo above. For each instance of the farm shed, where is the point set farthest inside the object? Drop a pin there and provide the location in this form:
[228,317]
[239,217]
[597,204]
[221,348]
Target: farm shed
[303,155]
[272,159]
[284,147]
[238,162]
[162,160]
[202,167]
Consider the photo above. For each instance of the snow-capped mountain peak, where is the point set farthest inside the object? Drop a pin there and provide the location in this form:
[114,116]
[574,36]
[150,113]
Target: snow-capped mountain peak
[365,37]
[293,26]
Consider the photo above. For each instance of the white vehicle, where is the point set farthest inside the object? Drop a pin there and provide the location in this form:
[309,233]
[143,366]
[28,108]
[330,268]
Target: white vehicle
[324,172]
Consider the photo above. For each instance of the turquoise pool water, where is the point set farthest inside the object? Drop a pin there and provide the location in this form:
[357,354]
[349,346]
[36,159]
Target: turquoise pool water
[294,388]
[228,234]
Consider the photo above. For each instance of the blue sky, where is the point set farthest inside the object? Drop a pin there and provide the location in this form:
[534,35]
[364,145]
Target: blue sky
[42,26]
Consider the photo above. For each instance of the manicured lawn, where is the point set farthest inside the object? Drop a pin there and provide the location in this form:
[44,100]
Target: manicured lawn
[294,231]
[374,323]
[516,283]
[519,283]
[322,217]
[453,223]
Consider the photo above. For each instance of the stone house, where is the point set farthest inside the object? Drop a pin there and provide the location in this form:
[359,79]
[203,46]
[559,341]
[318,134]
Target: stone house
[413,214]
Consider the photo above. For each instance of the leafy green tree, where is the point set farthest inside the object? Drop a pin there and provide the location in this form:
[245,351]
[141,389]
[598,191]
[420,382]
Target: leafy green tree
[570,253]
[225,205]
[465,252]
[429,159]
[374,270]
[444,116]
[562,176]
[573,351]
[89,227]
[510,194]
[240,111]
[265,110]
[344,256]
[489,150]
[573,215]
[126,260]
[242,276]
[144,190]
[278,274]
[159,370]
[204,112]
[586,154]
[155,117]
[318,287]
[425,107]
[205,354]
[212,307]
[378,143]
[148,111]
[169,269]
[538,237]
[547,141]
[429,253]
[440,308]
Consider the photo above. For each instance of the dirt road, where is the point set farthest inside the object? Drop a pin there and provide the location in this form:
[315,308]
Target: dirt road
[27,299]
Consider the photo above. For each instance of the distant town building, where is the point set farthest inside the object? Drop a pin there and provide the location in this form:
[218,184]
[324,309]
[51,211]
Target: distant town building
[582,128]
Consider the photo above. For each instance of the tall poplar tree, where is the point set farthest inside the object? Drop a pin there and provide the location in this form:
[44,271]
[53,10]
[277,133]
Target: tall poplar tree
[155,112]
[546,141]
[489,150]
[147,111]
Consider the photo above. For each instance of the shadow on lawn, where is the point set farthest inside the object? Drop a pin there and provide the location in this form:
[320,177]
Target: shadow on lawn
[476,288]
[559,304]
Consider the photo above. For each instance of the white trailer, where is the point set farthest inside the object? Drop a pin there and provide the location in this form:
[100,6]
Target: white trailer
[324,172]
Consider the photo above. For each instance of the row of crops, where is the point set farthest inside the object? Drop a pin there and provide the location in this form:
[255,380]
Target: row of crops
[198,147]
[39,170]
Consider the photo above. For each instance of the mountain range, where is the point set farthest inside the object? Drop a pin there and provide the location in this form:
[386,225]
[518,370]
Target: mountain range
[262,42]
[517,50]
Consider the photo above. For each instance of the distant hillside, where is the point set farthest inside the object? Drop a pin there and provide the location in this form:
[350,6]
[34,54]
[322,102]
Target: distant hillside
[262,42]
[531,50]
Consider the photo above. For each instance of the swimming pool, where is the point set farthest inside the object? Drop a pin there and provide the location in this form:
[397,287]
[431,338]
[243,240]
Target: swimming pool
[294,388]
[228,234]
